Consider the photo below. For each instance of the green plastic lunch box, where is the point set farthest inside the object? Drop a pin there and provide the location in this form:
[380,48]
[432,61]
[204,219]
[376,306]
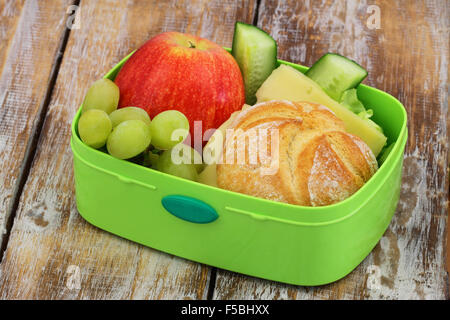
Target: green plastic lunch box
[258,237]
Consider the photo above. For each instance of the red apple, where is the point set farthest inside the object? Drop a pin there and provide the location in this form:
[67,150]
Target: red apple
[186,73]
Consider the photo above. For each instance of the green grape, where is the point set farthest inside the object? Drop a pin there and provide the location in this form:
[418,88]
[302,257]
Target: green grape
[102,95]
[129,139]
[129,113]
[94,127]
[182,170]
[166,124]
[182,153]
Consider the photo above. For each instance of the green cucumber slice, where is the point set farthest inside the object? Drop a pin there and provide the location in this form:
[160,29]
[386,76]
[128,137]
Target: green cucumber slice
[336,74]
[256,54]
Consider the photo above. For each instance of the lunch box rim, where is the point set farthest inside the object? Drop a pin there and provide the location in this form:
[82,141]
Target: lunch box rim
[347,206]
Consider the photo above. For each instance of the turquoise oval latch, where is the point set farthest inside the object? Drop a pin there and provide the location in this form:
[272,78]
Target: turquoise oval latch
[189,209]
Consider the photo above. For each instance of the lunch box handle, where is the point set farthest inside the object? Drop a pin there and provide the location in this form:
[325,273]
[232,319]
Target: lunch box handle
[189,209]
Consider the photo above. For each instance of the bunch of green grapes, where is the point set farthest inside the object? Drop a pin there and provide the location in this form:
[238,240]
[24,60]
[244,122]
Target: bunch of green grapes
[129,132]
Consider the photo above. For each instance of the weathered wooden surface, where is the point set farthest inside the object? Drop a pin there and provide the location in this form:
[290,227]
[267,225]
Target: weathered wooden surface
[50,244]
[407,57]
[49,240]
[30,34]
[9,14]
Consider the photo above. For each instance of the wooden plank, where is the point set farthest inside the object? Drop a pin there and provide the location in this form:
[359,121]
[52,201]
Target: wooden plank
[50,244]
[407,57]
[30,35]
[9,17]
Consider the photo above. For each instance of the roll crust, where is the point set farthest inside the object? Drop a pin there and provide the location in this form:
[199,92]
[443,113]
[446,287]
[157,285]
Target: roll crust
[318,163]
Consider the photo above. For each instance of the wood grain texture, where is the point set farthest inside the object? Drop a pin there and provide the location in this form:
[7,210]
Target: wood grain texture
[49,241]
[9,17]
[30,34]
[408,58]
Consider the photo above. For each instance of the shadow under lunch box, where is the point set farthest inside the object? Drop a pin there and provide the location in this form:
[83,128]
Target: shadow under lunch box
[258,237]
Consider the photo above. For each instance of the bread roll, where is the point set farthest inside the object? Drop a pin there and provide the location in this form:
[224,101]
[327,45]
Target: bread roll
[318,163]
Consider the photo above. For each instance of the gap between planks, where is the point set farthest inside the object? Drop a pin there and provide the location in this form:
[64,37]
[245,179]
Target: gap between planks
[33,141]
[213,273]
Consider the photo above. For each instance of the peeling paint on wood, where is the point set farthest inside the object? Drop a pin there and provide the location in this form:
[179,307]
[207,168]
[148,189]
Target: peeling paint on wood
[30,34]
[9,17]
[54,254]
[50,244]
[411,63]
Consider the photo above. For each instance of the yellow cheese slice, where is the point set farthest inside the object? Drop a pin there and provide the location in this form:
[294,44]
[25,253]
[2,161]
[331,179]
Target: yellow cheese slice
[287,83]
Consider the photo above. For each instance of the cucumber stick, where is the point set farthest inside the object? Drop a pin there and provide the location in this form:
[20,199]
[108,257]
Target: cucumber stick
[336,74]
[256,54]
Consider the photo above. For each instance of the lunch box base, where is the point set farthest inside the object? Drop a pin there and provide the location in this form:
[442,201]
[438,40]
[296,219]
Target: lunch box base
[284,251]
[257,237]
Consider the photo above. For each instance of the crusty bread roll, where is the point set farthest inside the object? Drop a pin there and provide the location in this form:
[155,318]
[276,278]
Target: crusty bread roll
[318,163]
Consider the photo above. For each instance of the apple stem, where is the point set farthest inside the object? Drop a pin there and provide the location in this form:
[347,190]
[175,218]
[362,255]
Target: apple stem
[191,45]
